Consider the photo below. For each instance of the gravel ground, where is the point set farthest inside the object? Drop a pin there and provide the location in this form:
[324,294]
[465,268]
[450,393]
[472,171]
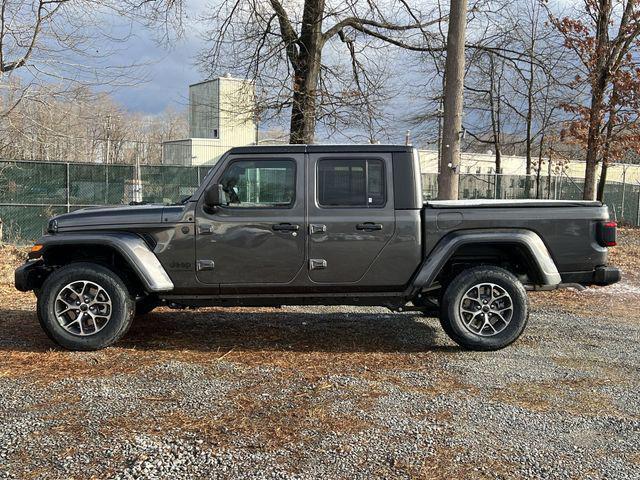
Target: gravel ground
[331,392]
[294,394]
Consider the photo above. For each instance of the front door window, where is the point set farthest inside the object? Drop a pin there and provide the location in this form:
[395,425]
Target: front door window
[260,184]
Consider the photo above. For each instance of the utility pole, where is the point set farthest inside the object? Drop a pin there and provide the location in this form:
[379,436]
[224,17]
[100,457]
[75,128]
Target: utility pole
[440,112]
[453,102]
[108,139]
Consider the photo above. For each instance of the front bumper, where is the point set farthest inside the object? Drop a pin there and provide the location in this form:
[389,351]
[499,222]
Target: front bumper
[31,275]
[601,276]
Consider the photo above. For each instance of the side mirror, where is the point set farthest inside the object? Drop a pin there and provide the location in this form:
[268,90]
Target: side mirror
[214,196]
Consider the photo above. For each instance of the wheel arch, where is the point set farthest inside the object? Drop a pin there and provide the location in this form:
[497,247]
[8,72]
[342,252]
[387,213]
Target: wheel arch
[126,253]
[478,247]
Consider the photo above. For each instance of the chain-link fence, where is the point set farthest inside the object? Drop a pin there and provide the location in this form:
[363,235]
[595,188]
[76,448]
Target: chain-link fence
[32,192]
[622,198]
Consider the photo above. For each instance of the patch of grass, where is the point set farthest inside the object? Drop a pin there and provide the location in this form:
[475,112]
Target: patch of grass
[575,396]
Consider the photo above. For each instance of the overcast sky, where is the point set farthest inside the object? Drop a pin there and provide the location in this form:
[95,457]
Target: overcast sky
[169,71]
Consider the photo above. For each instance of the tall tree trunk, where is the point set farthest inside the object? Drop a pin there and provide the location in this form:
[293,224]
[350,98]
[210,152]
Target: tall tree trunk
[529,118]
[606,151]
[593,138]
[539,167]
[598,88]
[494,105]
[453,102]
[603,179]
[549,172]
[306,74]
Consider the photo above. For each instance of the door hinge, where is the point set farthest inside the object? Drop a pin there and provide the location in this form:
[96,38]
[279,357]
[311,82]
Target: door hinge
[317,264]
[202,265]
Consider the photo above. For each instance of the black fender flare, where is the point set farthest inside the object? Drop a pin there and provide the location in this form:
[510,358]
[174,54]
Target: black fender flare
[133,249]
[450,243]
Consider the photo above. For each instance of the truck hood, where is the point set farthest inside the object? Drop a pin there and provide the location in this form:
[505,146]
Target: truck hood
[100,216]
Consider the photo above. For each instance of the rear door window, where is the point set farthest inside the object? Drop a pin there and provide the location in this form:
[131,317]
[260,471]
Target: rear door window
[351,183]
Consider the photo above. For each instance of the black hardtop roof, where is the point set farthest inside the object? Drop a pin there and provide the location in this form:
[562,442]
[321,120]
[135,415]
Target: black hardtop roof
[321,148]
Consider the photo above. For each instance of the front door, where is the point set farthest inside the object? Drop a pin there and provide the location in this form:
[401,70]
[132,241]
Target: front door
[259,236]
[351,215]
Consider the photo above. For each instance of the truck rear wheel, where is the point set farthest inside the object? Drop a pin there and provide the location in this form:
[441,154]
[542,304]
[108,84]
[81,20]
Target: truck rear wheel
[484,308]
[85,306]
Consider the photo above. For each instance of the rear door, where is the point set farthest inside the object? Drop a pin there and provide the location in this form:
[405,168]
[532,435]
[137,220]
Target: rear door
[350,213]
[259,237]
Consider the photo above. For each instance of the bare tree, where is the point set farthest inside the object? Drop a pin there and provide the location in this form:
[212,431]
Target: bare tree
[542,73]
[317,61]
[505,94]
[453,98]
[79,128]
[602,36]
[50,47]
[486,98]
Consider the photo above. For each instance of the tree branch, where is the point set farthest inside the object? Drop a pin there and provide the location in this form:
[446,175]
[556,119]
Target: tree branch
[289,35]
[358,23]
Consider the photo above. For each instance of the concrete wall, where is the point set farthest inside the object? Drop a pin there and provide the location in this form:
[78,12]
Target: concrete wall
[204,117]
[237,101]
[220,118]
[192,151]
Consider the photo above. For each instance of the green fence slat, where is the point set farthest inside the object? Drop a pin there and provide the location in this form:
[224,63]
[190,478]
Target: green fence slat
[25,224]
[31,192]
[26,182]
[168,184]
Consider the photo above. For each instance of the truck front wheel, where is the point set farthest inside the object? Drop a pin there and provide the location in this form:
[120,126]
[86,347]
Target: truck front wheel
[85,306]
[484,308]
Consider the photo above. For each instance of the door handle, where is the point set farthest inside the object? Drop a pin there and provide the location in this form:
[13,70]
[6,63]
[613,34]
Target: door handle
[285,227]
[206,229]
[202,265]
[317,228]
[369,226]
[317,264]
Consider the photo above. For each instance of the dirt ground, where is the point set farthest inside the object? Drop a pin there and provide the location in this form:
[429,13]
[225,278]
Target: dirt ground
[328,392]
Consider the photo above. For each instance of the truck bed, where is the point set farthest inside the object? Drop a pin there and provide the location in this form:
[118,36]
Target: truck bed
[567,227]
[483,203]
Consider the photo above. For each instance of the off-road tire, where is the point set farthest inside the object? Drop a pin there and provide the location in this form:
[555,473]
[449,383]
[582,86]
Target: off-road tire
[455,323]
[121,302]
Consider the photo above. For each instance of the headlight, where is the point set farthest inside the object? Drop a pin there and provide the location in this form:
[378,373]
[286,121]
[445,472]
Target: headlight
[53,226]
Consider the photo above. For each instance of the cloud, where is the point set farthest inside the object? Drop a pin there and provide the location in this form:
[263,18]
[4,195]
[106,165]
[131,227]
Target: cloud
[168,71]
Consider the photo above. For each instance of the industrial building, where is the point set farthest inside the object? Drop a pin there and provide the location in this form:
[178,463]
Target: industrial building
[221,116]
[485,164]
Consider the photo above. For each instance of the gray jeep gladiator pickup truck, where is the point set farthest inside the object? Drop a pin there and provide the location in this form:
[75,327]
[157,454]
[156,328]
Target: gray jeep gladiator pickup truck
[315,224]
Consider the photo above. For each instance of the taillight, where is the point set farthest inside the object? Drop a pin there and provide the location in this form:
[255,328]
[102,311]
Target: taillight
[607,234]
